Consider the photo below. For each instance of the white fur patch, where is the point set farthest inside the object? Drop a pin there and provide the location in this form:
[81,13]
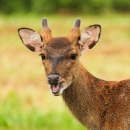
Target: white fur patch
[64,86]
[35,38]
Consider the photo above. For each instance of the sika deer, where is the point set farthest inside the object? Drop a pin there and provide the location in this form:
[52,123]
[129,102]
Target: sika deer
[97,104]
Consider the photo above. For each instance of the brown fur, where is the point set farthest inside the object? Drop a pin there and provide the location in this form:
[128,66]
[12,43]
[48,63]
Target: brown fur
[74,33]
[98,104]
[46,34]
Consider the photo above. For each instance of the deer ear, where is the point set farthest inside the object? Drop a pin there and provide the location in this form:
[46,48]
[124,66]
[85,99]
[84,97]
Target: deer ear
[89,37]
[31,39]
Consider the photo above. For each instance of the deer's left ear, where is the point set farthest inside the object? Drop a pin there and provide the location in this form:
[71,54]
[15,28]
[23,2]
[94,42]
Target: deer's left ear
[89,37]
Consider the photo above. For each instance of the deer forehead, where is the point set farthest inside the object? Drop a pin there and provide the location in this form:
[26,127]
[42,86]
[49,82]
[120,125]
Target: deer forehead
[59,46]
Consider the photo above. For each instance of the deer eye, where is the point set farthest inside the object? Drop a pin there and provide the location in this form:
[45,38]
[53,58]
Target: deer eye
[73,56]
[42,56]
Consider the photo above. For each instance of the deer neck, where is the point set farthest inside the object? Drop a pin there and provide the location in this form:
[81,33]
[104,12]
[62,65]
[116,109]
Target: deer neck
[81,99]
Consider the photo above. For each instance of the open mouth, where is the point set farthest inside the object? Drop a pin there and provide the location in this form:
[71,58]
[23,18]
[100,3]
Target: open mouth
[56,88]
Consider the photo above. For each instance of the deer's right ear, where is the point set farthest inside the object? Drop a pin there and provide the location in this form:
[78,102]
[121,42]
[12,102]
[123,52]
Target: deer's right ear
[31,39]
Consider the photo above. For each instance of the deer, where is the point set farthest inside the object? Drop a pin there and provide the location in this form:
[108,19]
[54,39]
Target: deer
[97,104]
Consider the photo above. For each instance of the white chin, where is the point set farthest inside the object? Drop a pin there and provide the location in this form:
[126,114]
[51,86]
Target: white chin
[57,93]
[63,86]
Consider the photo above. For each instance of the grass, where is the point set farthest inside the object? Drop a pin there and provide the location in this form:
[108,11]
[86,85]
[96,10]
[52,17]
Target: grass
[25,101]
[14,116]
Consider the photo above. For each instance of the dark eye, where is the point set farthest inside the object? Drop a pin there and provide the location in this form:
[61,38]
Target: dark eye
[73,56]
[42,56]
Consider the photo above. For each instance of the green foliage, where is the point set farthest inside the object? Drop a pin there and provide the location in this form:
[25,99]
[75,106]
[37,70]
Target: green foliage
[61,6]
[14,116]
[14,6]
[121,5]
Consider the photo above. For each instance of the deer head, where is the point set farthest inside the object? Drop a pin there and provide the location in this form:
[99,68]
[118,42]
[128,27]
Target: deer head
[60,55]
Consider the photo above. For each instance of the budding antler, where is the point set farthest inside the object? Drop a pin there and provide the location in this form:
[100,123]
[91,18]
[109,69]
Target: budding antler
[46,32]
[75,31]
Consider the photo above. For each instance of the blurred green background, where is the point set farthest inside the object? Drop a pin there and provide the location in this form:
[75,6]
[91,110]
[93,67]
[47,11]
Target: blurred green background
[62,6]
[25,100]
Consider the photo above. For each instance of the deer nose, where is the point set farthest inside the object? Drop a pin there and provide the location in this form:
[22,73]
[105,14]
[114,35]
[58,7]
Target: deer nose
[53,79]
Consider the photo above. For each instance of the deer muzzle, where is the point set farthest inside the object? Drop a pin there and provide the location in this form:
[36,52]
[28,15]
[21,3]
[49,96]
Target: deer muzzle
[56,86]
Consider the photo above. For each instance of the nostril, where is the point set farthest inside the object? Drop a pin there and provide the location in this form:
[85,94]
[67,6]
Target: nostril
[53,79]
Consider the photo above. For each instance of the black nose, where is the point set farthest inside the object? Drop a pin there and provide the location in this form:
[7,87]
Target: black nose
[53,79]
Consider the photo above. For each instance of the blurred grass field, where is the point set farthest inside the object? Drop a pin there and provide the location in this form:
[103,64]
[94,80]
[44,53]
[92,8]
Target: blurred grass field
[25,100]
